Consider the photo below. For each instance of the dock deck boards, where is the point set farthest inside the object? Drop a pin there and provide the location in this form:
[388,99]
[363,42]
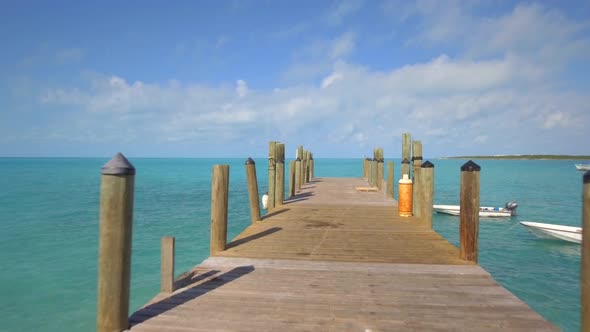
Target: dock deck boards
[336,259]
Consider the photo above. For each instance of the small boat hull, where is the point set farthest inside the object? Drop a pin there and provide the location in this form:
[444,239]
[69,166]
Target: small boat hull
[553,231]
[484,211]
[583,167]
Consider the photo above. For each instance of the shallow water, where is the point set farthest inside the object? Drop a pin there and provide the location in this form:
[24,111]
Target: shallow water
[49,230]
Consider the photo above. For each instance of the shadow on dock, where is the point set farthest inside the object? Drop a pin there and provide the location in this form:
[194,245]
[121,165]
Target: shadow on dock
[253,237]
[189,294]
[298,197]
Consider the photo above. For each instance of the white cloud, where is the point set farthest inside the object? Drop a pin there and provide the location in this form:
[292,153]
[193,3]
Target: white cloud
[241,88]
[329,80]
[441,101]
[341,10]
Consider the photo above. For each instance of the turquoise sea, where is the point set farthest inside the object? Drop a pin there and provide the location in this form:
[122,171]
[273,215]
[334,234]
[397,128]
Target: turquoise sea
[49,230]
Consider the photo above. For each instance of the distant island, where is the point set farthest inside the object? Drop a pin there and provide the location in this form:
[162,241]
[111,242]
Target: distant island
[525,156]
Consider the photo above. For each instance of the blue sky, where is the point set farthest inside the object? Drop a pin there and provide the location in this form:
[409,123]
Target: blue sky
[222,78]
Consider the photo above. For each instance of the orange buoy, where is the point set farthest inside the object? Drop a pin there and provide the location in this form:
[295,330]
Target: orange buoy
[405,196]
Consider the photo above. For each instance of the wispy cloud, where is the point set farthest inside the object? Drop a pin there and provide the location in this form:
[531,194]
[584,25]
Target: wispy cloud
[341,10]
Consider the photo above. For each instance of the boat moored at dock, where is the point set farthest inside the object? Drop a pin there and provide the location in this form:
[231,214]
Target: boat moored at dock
[554,231]
[508,210]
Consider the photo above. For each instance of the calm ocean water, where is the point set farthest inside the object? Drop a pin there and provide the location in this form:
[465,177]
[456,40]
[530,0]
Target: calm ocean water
[49,230]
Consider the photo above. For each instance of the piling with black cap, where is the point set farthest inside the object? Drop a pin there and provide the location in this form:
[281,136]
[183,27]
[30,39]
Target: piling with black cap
[272,173]
[280,175]
[253,190]
[406,167]
[469,211]
[585,261]
[426,191]
[114,254]
[406,151]
[219,205]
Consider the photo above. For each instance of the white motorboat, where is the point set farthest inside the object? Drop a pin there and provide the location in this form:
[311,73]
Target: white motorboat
[484,211]
[553,231]
[583,167]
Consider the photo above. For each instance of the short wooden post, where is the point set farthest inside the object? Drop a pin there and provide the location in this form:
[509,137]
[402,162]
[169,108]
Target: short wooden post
[291,178]
[585,261]
[298,170]
[219,204]
[469,212]
[406,151]
[114,254]
[364,167]
[272,173]
[390,179]
[427,191]
[405,167]
[280,175]
[167,265]
[253,190]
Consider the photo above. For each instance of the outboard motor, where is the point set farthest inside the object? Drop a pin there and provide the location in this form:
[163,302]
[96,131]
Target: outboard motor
[511,206]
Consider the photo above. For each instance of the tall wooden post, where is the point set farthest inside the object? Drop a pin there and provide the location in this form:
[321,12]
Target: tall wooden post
[405,167]
[417,193]
[416,163]
[114,254]
[298,177]
[406,153]
[272,173]
[380,173]
[291,178]
[364,167]
[469,213]
[585,261]
[373,172]
[280,175]
[253,190]
[427,191]
[390,180]
[167,265]
[312,167]
[219,204]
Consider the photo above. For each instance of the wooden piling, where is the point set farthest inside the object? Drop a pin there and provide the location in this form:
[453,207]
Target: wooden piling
[380,173]
[585,261]
[219,205]
[167,265]
[405,167]
[272,173]
[311,167]
[469,211]
[406,151]
[417,193]
[427,191]
[416,163]
[291,178]
[300,170]
[280,175]
[298,177]
[253,190]
[114,260]
[390,179]
[373,172]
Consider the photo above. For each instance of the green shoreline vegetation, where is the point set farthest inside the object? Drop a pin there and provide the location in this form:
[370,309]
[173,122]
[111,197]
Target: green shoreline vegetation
[526,157]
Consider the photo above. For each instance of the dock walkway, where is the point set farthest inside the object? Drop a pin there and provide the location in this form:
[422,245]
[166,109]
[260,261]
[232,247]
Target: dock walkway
[334,258]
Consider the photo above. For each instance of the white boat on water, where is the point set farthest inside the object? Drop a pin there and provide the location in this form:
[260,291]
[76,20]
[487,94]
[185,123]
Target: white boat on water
[583,167]
[553,231]
[484,211]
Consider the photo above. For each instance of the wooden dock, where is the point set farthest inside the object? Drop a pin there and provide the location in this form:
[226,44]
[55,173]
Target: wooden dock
[334,258]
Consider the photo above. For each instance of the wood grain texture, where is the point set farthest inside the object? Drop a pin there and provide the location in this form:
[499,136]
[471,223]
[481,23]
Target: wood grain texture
[469,215]
[335,259]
